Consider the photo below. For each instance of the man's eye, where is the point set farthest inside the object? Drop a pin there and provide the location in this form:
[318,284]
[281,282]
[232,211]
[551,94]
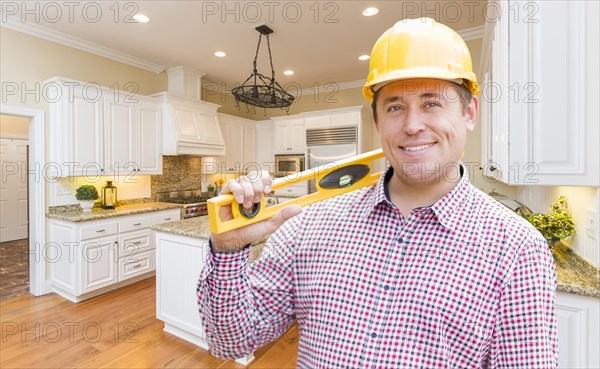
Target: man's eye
[394,108]
[432,104]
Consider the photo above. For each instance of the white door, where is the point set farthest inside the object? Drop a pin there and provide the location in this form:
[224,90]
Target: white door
[13,189]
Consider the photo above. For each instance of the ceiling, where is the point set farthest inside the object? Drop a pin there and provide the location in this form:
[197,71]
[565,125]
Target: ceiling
[320,41]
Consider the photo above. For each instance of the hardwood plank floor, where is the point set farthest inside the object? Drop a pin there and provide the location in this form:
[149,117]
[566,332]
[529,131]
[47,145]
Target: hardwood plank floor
[115,330]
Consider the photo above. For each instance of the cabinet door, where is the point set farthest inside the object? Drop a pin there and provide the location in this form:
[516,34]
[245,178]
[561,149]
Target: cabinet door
[149,155]
[550,98]
[265,150]
[249,153]
[345,120]
[98,263]
[120,145]
[296,136]
[317,122]
[280,138]
[80,136]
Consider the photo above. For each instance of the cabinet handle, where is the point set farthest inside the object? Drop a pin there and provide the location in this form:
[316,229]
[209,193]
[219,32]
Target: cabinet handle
[101,230]
[137,224]
[167,219]
[137,242]
[137,265]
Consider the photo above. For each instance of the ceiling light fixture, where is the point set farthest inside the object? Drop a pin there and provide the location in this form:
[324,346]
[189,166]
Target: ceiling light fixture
[364,57]
[260,90]
[370,12]
[220,54]
[141,18]
[288,72]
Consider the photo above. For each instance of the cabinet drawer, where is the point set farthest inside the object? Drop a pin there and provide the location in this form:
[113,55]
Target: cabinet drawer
[132,243]
[135,222]
[167,216]
[139,264]
[296,189]
[98,230]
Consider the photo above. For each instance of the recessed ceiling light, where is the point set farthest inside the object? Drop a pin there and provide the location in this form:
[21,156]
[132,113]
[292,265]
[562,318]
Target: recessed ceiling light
[364,57]
[288,72]
[220,54]
[141,18]
[370,12]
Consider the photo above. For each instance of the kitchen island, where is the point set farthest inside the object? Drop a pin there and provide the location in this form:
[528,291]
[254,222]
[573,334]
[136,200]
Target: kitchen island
[181,251]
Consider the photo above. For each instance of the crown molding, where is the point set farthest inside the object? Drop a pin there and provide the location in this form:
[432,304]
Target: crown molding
[77,43]
[472,33]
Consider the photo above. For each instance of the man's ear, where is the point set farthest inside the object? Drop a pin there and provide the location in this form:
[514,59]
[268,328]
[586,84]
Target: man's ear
[472,113]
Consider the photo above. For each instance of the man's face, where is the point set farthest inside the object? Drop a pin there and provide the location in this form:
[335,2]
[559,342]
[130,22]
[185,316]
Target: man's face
[423,128]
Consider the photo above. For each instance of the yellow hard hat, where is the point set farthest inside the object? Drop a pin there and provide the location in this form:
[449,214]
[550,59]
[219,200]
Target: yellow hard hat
[420,48]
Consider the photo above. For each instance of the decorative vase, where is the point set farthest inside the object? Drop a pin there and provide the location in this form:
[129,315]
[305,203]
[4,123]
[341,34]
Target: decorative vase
[86,205]
[109,196]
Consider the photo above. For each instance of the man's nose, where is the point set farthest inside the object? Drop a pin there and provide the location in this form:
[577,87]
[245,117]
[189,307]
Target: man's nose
[415,122]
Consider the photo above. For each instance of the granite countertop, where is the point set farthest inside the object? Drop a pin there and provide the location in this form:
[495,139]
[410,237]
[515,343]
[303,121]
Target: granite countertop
[121,210]
[574,275]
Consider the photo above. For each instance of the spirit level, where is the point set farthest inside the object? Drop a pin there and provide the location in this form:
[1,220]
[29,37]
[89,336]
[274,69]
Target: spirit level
[330,180]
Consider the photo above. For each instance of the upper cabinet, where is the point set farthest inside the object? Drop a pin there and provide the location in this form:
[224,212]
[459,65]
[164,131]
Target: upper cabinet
[239,135]
[540,92]
[290,135]
[98,131]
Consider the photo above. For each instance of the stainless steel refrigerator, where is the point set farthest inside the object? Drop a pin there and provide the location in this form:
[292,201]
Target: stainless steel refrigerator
[328,145]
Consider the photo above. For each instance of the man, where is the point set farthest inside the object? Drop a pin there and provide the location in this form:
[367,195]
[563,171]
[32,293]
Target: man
[421,270]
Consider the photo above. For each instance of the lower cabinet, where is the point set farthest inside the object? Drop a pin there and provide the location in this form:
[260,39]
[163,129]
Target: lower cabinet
[179,262]
[93,257]
[578,331]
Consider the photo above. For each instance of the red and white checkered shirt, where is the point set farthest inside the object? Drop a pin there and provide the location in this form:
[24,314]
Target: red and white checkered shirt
[463,283]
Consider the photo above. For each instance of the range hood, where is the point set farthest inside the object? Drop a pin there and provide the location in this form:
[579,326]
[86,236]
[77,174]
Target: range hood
[190,125]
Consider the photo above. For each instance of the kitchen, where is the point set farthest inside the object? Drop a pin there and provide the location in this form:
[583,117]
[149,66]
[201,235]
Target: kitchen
[243,136]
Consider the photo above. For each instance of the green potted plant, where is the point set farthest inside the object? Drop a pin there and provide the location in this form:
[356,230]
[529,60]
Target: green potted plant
[86,194]
[556,225]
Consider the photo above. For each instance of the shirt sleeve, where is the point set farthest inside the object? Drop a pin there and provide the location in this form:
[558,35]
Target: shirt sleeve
[526,331]
[244,306]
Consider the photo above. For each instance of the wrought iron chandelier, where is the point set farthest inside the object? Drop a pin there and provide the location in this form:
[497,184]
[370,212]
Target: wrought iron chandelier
[260,90]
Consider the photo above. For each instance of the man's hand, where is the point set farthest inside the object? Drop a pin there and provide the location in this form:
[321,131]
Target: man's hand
[248,190]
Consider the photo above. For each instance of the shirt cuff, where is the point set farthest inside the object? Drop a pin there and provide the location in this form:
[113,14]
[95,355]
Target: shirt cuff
[228,265]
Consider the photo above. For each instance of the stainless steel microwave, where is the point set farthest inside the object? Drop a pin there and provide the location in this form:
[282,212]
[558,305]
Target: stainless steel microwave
[287,164]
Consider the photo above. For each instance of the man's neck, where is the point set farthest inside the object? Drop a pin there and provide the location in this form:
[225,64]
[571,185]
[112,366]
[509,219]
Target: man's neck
[411,195]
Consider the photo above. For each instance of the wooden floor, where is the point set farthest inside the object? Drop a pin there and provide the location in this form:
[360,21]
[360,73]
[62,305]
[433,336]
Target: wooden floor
[116,330]
[14,268]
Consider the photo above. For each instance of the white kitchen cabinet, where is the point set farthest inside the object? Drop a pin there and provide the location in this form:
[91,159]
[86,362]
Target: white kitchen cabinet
[93,257]
[265,151]
[239,135]
[98,268]
[578,331]
[179,263]
[290,135]
[102,132]
[540,99]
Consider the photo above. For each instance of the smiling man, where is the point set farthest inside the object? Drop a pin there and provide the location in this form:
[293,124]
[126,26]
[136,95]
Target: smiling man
[421,270]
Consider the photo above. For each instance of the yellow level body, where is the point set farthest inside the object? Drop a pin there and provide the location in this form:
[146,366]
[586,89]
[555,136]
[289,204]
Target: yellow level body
[330,180]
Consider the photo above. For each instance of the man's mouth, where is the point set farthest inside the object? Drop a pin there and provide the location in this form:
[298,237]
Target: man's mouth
[417,148]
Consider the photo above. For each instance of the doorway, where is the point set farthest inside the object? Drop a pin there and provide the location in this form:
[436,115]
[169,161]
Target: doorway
[14,217]
[29,250]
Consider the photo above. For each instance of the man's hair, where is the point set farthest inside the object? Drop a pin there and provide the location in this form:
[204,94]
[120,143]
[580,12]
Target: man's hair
[464,94]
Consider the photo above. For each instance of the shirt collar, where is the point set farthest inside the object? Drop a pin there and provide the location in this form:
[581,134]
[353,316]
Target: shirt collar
[446,209]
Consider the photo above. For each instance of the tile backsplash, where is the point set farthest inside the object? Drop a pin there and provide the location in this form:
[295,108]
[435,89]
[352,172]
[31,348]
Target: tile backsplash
[182,172]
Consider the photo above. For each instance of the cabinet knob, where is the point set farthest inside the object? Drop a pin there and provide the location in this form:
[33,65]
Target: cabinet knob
[493,168]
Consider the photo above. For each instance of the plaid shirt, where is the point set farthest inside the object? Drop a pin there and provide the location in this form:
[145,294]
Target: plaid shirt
[463,283]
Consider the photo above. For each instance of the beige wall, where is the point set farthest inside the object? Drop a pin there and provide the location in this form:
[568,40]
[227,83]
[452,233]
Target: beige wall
[13,125]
